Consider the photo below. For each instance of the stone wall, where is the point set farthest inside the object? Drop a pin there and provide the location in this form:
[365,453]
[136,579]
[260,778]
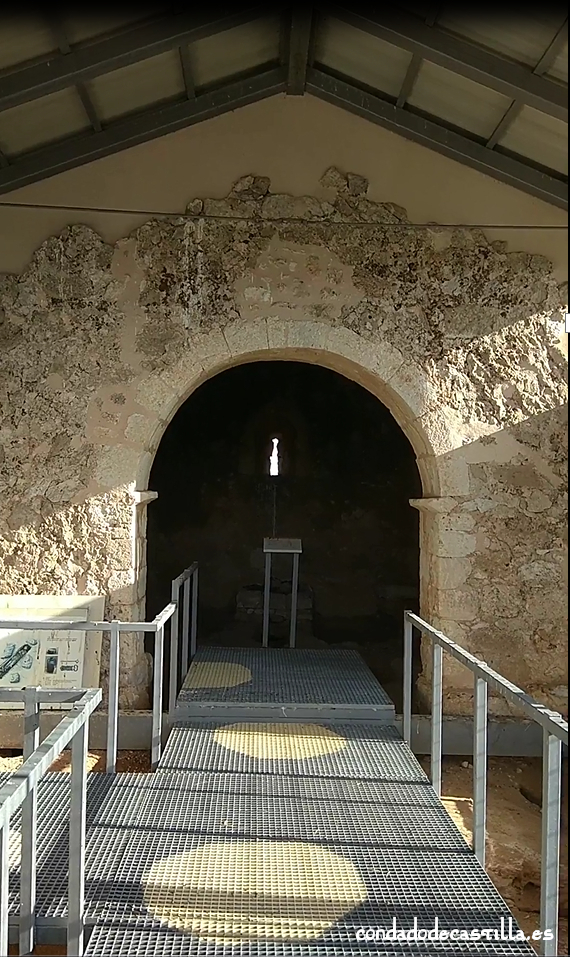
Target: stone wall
[460,337]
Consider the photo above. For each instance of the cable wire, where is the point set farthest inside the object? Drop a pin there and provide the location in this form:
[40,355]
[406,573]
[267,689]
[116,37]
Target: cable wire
[170,214]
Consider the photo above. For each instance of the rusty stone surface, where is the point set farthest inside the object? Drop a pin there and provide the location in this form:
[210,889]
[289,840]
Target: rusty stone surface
[458,336]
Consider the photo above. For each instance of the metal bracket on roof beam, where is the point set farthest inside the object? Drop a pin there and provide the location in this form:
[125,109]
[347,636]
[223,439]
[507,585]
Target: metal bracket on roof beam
[27,83]
[428,132]
[460,56]
[41,163]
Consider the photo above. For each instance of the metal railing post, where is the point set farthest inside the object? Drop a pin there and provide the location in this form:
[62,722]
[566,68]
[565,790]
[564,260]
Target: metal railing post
[194,617]
[407,689]
[157,697]
[113,703]
[436,717]
[29,828]
[550,848]
[77,829]
[15,792]
[185,627]
[480,769]
[4,888]
[174,625]
[266,601]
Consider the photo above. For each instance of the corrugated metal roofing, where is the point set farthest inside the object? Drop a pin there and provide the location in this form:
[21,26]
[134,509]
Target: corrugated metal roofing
[487,88]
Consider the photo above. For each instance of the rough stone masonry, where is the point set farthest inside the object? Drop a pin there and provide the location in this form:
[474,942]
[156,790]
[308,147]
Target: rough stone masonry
[457,335]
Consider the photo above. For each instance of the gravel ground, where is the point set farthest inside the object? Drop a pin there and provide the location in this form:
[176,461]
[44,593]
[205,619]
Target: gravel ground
[127,761]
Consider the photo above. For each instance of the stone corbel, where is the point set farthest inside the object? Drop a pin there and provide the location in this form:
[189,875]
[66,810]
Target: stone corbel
[143,498]
[440,505]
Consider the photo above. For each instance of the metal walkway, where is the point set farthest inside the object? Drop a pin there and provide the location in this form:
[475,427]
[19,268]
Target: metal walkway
[263,836]
[280,683]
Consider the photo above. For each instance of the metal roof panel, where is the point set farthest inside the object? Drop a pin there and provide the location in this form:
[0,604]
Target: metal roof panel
[92,24]
[234,51]
[134,87]
[523,37]
[352,52]
[457,100]
[466,83]
[46,120]
[24,38]
[542,138]
[559,69]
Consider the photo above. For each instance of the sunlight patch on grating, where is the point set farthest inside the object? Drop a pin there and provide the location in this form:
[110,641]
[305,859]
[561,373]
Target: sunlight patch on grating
[229,892]
[216,674]
[279,742]
[409,856]
[374,751]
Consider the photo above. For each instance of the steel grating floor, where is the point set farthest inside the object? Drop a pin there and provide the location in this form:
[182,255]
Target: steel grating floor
[277,681]
[269,838]
[354,751]
[220,863]
[212,863]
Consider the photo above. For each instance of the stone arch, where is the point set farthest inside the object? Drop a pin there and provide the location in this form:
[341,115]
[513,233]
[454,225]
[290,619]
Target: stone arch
[399,384]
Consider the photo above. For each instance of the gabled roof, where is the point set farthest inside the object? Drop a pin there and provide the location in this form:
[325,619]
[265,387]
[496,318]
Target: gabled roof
[489,90]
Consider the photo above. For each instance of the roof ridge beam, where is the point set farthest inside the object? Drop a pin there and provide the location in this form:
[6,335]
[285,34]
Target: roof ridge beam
[23,84]
[460,56]
[300,42]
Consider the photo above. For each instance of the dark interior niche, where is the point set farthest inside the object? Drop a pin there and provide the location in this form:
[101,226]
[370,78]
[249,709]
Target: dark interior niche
[346,474]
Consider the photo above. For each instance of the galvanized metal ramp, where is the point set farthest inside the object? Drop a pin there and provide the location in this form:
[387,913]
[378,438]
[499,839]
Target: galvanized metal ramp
[270,837]
[282,684]
[290,865]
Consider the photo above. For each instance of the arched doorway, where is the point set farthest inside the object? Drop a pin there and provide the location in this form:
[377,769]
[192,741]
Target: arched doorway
[344,478]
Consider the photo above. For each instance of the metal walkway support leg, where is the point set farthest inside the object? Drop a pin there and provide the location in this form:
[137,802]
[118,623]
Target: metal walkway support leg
[157,697]
[29,828]
[173,677]
[4,890]
[113,704]
[294,594]
[266,600]
[436,718]
[77,826]
[550,866]
[480,770]
[407,689]
[194,616]
[186,598]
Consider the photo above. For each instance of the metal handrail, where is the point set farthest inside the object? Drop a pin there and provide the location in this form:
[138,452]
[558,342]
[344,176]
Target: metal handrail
[555,734]
[115,629]
[184,592]
[21,791]
[184,595]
